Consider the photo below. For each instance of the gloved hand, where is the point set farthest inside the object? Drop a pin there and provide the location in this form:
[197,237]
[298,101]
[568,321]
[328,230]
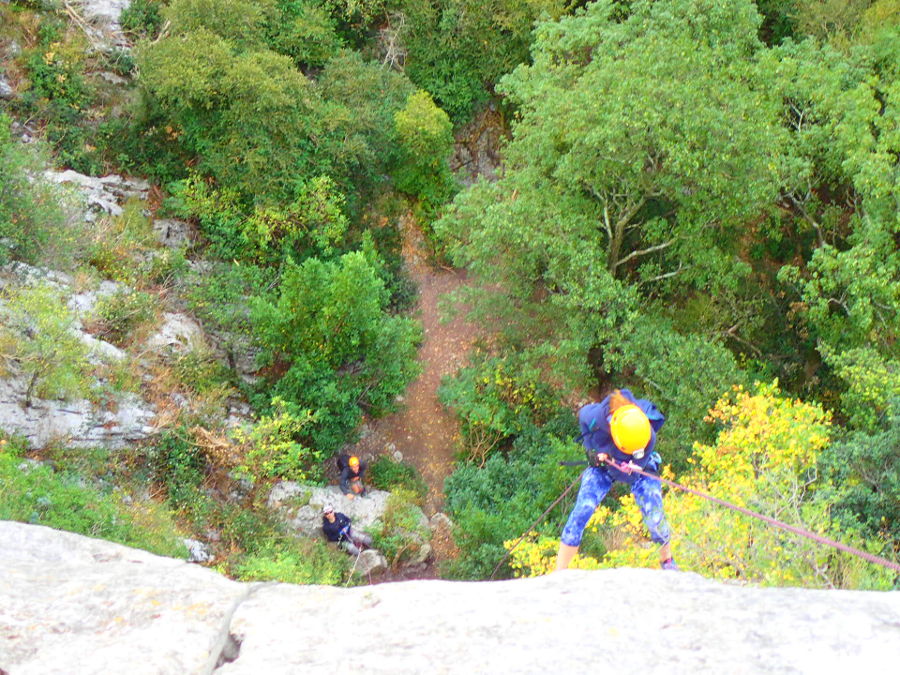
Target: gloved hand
[595,459]
[628,467]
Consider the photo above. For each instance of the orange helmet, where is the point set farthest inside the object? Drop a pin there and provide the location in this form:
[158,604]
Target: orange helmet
[630,430]
[353,461]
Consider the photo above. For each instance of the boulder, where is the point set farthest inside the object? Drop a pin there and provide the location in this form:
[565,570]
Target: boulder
[301,506]
[72,604]
[370,562]
[6,91]
[172,233]
[178,332]
[76,605]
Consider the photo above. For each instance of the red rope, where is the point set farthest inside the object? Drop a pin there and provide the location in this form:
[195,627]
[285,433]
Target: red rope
[772,521]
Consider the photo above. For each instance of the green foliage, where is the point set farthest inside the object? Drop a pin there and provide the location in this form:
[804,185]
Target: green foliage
[425,138]
[274,448]
[305,31]
[401,531]
[142,18]
[495,400]
[238,21]
[456,49]
[37,342]
[341,350]
[312,223]
[385,473]
[293,562]
[178,464]
[865,470]
[122,313]
[498,502]
[34,493]
[58,94]
[32,225]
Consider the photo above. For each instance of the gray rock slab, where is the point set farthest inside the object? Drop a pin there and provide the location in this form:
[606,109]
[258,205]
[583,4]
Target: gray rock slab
[178,332]
[69,604]
[6,91]
[622,621]
[301,506]
[78,423]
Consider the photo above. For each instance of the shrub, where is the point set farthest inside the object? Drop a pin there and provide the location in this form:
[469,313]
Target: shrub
[497,503]
[294,562]
[496,400]
[340,351]
[142,18]
[38,495]
[123,312]
[179,465]
[400,533]
[32,224]
[58,94]
[385,473]
[274,448]
[37,341]
[424,134]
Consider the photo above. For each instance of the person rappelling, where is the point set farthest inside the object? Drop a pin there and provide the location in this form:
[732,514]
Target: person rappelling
[619,435]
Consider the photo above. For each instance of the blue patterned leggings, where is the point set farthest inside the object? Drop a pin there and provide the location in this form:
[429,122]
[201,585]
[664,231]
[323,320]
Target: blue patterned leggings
[595,484]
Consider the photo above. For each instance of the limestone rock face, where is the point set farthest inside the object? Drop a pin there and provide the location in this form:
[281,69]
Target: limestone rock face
[69,604]
[104,194]
[302,505]
[78,423]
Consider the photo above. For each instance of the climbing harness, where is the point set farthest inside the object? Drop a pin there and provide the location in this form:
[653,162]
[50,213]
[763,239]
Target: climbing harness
[628,468]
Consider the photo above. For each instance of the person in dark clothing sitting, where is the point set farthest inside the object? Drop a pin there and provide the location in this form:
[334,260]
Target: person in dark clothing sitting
[352,472]
[337,527]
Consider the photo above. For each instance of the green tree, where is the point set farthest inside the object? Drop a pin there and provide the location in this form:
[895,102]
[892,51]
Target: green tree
[642,146]
[341,351]
[425,138]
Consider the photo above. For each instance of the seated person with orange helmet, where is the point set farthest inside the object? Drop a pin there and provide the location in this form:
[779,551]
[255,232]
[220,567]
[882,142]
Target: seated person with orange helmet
[623,429]
[352,471]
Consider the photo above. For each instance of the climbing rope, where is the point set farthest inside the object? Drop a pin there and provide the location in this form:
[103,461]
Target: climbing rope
[534,524]
[771,521]
[878,560]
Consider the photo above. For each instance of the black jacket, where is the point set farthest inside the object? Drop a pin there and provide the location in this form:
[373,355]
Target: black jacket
[336,531]
[347,474]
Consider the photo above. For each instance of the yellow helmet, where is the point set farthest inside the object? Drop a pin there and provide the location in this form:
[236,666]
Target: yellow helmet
[630,430]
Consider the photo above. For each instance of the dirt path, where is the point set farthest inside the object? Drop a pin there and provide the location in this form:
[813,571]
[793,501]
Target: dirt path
[423,431]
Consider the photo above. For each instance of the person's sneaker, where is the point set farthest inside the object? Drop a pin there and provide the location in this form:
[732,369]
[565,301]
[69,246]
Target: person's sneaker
[669,564]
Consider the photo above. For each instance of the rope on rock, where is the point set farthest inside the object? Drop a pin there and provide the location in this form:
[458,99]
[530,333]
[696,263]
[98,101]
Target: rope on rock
[877,560]
[533,525]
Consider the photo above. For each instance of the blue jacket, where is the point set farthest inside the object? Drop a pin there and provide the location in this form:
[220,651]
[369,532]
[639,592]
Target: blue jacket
[594,422]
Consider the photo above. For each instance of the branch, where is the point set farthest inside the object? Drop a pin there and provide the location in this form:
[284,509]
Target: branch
[660,277]
[651,249]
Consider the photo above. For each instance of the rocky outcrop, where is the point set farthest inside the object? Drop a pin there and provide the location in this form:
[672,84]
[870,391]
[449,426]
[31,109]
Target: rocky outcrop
[103,195]
[301,506]
[476,153]
[124,418]
[78,423]
[76,605]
